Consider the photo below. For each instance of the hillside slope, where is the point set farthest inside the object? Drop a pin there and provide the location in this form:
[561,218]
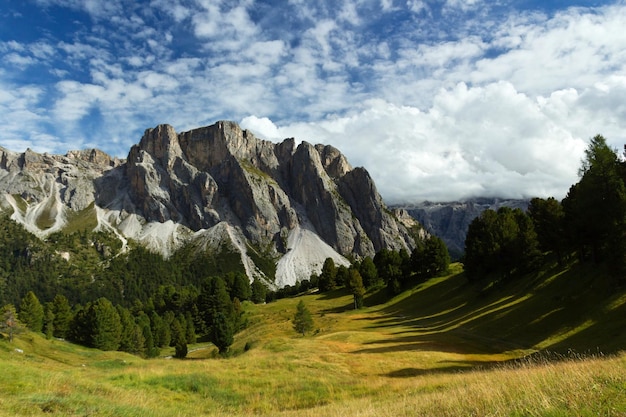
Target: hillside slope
[445,347]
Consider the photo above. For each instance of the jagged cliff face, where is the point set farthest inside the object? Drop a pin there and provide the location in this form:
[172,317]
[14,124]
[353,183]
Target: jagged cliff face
[217,185]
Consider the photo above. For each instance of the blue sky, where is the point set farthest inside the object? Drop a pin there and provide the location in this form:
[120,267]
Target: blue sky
[439,100]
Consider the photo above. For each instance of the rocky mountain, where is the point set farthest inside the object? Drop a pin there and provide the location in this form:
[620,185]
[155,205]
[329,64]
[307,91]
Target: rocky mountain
[217,188]
[450,221]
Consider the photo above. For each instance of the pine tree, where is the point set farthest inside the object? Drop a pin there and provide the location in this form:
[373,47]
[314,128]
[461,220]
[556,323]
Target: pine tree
[190,330]
[62,316]
[436,257]
[259,291]
[106,327]
[180,350]
[179,339]
[368,272]
[149,350]
[161,330]
[241,287]
[302,321]
[327,278]
[355,283]
[128,336]
[31,312]
[215,299]
[222,333]
[80,327]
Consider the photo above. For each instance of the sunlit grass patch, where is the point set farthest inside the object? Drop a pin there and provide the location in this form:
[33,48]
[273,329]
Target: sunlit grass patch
[82,220]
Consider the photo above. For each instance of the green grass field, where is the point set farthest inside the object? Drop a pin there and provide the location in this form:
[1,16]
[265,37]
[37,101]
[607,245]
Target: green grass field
[444,348]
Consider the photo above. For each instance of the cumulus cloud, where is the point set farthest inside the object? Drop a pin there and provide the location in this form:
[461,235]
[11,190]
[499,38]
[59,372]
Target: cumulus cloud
[482,141]
[438,100]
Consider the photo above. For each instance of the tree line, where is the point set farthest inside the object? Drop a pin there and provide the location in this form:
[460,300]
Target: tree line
[395,270]
[171,317]
[589,225]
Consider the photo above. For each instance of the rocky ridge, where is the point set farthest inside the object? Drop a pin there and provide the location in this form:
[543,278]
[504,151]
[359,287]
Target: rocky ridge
[217,187]
[450,220]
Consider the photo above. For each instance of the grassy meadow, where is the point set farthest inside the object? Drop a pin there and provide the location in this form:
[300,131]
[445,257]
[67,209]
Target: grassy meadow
[544,346]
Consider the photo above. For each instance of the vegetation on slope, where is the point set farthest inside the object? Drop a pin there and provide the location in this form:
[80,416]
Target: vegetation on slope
[441,348]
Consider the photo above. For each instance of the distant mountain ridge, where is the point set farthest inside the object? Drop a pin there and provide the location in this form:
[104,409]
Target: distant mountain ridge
[450,220]
[215,187]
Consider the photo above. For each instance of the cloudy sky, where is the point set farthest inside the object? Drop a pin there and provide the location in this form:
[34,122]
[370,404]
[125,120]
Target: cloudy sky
[439,99]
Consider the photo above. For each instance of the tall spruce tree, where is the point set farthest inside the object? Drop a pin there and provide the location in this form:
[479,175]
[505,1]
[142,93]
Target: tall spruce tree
[548,219]
[31,312]
[222,334]
[106,327]
[327,277]
[241,287]
[595,207]
[355,283]
[259,291]
[368,272]
[62,316]
[302,320]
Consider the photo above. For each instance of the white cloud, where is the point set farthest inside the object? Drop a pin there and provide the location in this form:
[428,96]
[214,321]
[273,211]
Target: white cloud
[485,141]
[417,6]
[433,108]
[463,5]
[95,8]
[262,127]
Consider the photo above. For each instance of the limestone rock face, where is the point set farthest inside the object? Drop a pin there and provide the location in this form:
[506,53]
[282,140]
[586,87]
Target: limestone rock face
[222,172]
[262,196]
[69,178]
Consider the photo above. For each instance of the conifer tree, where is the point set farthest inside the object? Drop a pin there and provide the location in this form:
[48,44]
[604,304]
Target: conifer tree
[181,350]
[190,330]
[128,335]
[80,327]
[106,328]
[160,330]
[222,333]
[31,312]
[355,283]
[302,320]
[150,350]
[179,339]
[368,272]
[328,275]
[241,287]
[62,315]
[259,291]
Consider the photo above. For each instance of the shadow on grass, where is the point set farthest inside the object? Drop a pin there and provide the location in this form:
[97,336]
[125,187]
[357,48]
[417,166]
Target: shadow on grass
[415,372]
[575,307]
[535,359]
[446,368]
[334,294]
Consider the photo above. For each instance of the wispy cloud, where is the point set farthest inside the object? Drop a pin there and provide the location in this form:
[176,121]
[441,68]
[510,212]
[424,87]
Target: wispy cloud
[438,100]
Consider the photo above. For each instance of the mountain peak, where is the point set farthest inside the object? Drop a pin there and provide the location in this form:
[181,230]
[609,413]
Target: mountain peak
[294,204]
